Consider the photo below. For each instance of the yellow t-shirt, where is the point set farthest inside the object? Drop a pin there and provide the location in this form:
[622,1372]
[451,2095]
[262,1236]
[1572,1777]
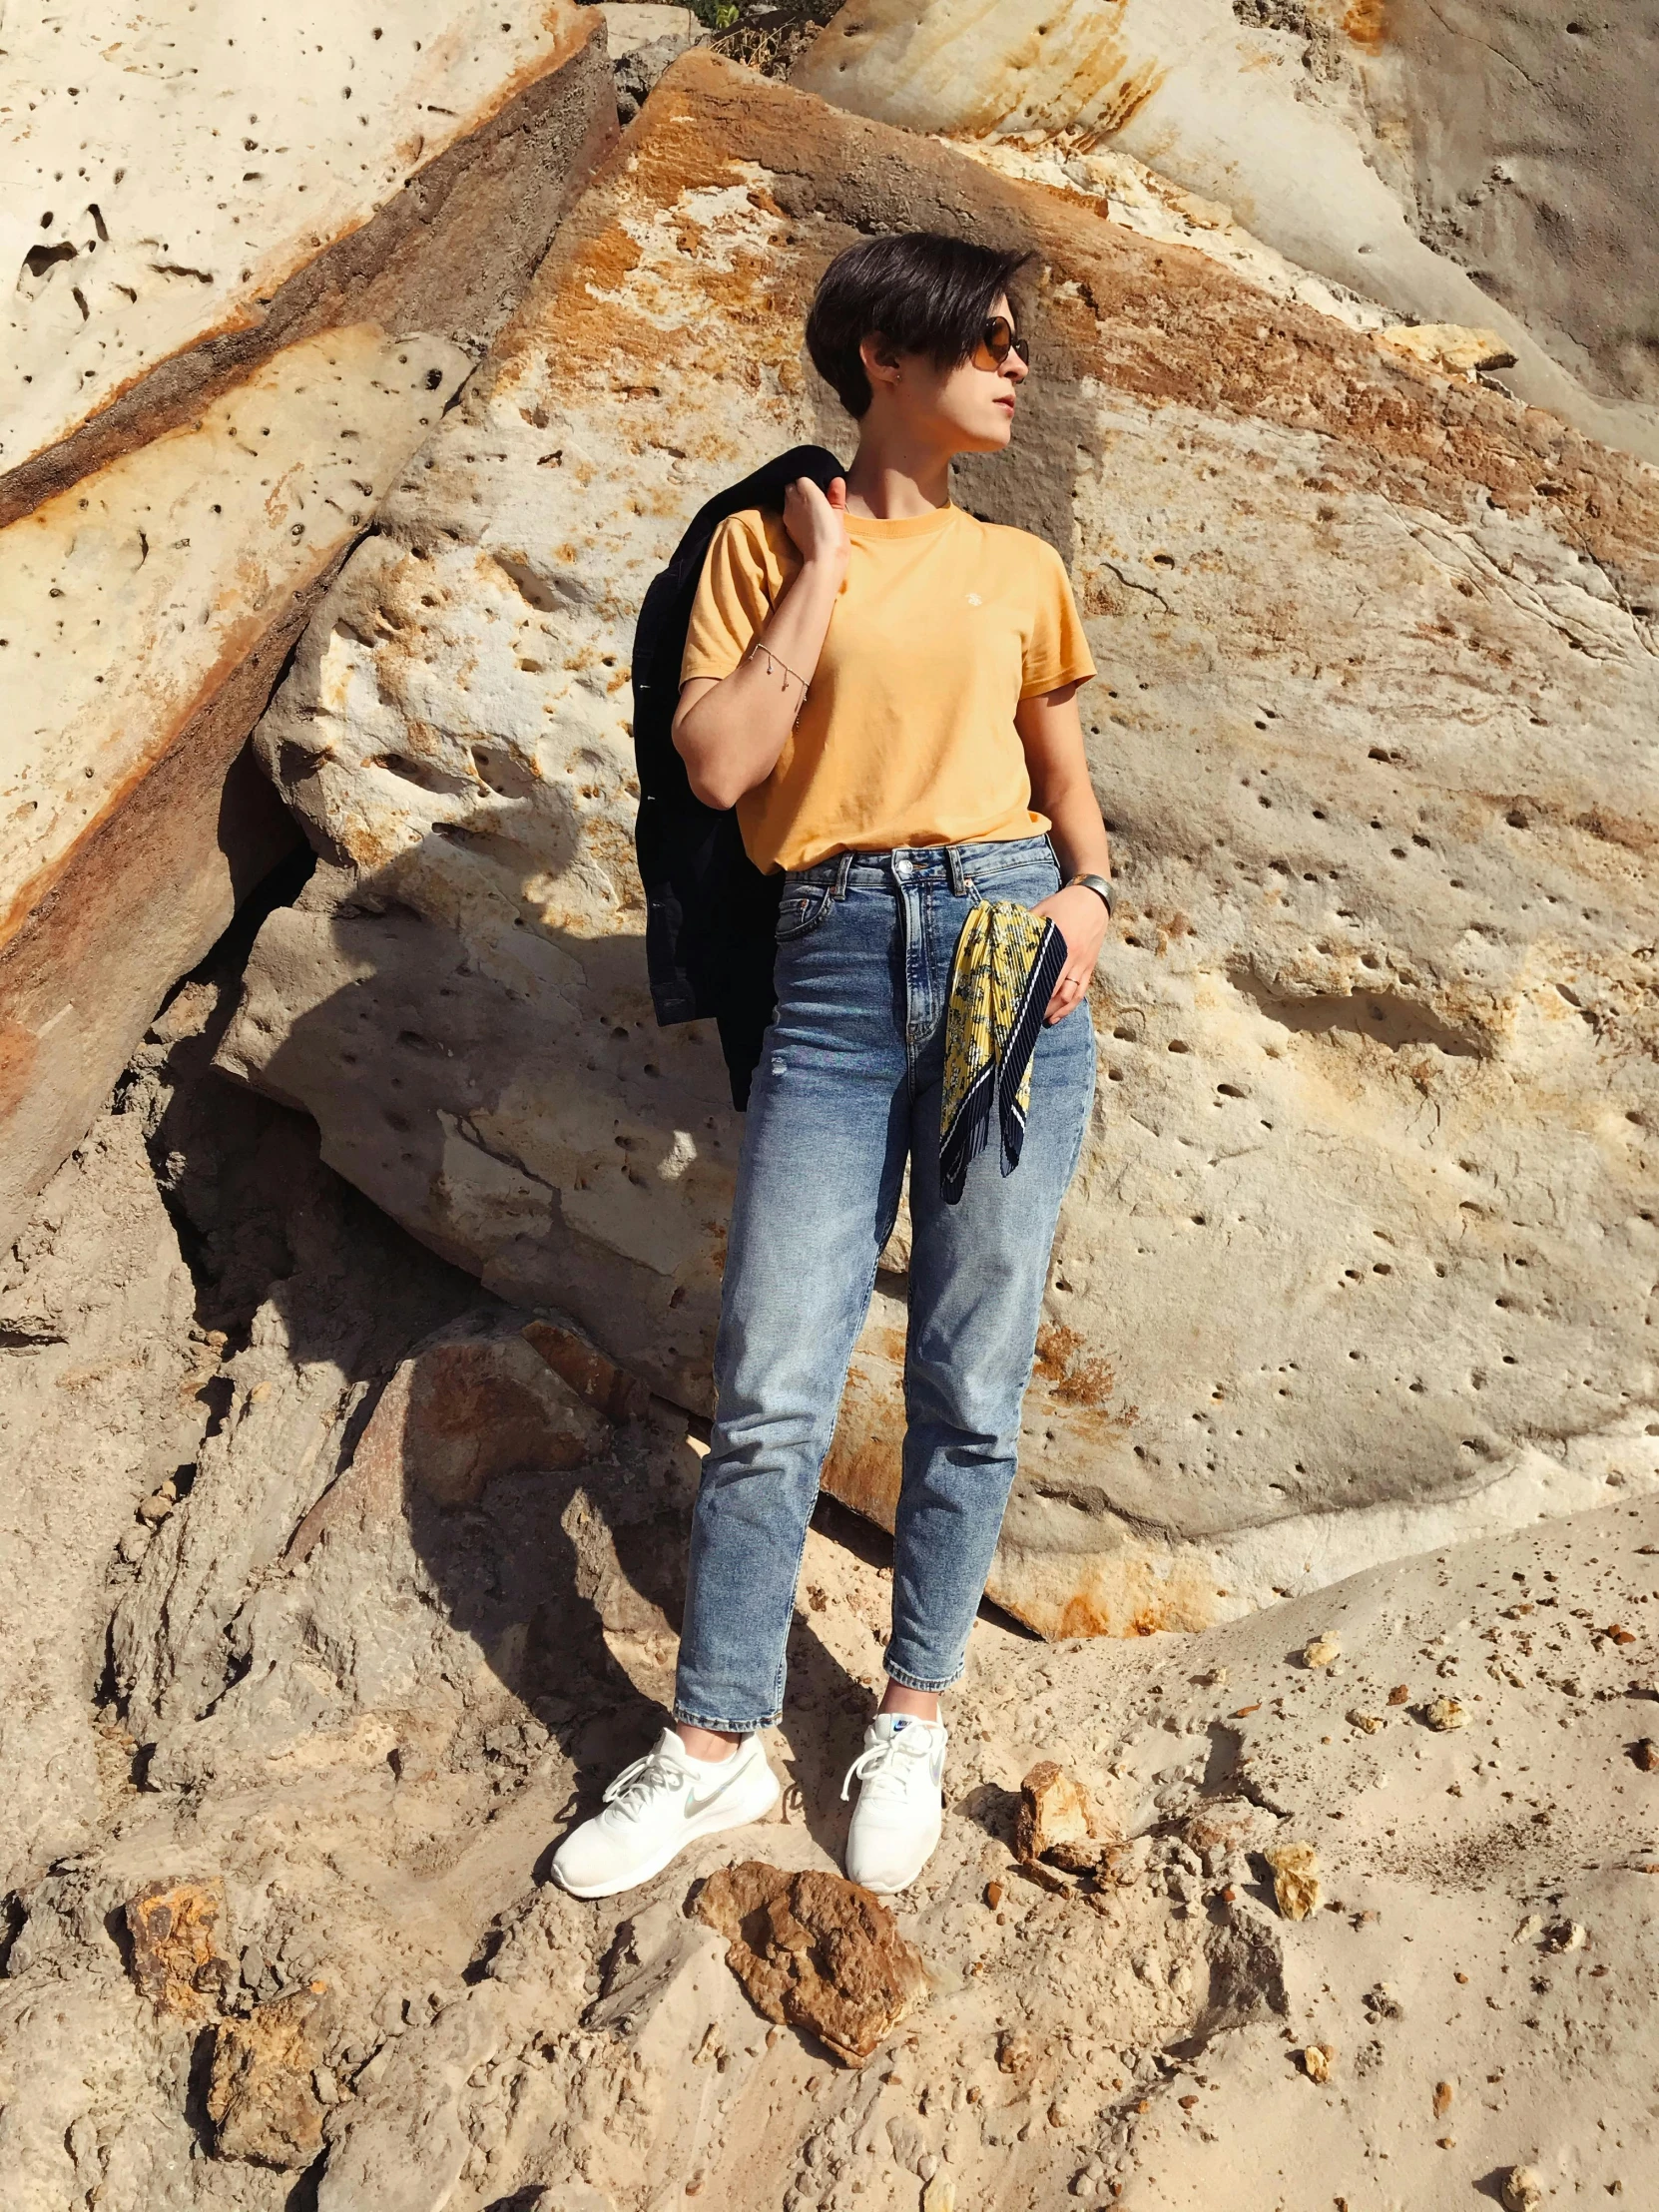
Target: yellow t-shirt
[906,738]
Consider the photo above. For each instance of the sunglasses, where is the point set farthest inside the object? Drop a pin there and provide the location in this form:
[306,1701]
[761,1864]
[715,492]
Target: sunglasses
[996,342]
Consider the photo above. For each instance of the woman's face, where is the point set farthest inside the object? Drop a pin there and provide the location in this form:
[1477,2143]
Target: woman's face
[966,409]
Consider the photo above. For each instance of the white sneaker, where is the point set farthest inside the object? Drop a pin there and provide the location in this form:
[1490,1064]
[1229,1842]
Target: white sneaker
[658,1805]
[900,1807]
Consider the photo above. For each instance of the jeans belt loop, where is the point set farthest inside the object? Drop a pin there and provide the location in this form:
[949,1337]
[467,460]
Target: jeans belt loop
[844,869]
[959,885]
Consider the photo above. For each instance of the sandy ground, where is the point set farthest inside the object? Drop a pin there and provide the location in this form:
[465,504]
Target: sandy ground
[372,1739]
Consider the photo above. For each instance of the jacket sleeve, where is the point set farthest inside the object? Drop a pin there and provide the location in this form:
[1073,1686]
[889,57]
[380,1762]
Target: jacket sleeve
[1055,650]
[733,598]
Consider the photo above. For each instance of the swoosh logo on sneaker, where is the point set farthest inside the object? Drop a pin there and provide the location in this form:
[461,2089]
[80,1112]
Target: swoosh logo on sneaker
[696,1804]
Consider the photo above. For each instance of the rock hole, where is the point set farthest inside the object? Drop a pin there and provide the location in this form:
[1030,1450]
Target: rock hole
[40,259]
[426,775]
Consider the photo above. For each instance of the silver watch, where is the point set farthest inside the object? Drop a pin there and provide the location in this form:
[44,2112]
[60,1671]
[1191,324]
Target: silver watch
[1096,883]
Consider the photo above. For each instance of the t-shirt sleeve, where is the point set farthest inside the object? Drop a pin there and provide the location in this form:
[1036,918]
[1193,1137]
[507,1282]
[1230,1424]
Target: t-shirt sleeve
[1056,652]
[733,599]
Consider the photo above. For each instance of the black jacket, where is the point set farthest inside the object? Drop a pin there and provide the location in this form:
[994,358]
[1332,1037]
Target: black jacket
[711,916]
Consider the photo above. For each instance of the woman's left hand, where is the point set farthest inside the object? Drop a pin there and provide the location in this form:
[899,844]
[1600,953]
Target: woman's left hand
[1080,917]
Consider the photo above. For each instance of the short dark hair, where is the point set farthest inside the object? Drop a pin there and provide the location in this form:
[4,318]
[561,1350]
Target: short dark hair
[925,293]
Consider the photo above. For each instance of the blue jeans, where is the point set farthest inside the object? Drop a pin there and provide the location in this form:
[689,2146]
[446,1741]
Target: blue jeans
[847,1090]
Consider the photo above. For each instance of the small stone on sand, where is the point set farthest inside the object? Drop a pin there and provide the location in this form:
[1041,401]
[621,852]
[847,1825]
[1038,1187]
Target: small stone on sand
[1524,2189]
[1296,1884]
[1443,1713]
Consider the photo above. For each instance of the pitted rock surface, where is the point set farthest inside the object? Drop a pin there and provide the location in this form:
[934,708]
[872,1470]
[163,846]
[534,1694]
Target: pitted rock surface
[1356,1260]
[189,190]
[145,615]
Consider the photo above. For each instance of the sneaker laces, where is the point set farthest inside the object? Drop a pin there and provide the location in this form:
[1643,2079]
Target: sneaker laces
[880,1768]
[630,1791]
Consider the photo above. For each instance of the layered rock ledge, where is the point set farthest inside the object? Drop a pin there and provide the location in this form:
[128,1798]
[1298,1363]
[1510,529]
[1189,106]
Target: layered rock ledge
[189,191]
[1465,168]
[145,615]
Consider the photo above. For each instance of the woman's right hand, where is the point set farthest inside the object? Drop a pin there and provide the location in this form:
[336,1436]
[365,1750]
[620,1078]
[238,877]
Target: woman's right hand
[817,523]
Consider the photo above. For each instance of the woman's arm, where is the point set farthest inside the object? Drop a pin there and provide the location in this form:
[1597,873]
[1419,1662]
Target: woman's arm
[729,730]
[1051,730]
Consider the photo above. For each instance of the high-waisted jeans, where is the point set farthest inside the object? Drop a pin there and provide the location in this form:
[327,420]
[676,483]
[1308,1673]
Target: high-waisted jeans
[847,1090]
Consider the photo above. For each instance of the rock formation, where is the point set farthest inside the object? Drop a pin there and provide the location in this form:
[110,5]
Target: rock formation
[323,1861]
[232,324]
[147,613]
[1463,170]
[189,194]
[1357,1259]
[342,1569]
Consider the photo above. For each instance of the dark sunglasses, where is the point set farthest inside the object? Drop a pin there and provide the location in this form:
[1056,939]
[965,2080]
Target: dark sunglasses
[998,341]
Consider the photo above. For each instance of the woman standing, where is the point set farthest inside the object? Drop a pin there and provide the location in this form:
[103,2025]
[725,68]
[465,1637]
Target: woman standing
[884,687]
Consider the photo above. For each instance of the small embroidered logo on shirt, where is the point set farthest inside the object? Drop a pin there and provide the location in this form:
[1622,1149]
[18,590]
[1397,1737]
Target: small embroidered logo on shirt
[975,600]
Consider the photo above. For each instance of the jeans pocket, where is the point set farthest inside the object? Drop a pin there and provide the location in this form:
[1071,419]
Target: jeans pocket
[802,908]
[1028,886]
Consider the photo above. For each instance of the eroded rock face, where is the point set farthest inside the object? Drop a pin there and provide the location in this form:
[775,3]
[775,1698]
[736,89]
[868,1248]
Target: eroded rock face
[1356,1260]
[189,190]
[145,615]
[100,1365]
[1426,155]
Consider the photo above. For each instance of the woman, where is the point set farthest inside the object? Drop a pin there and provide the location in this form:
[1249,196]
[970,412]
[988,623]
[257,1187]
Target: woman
[884,687]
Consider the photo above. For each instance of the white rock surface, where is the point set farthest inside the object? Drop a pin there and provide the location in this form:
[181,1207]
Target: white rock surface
[145,615]
[1357,1259]
[1419,156]
[184,188]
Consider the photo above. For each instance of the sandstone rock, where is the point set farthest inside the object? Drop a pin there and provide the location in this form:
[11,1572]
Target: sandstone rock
[1316,2061]
[598,1382]
[815,1952]
[476,1402]
[1222,1830]
[179,1958]
[188,193]
[146,614]
[1445,1713]
[1384,151]
[1443,346]
[101,1367]
[630,24]
[1295,1879]
[1058,1821]
[1372,732]
[261,2095]
[1522,2189]
[265,1579]
[1321,1651]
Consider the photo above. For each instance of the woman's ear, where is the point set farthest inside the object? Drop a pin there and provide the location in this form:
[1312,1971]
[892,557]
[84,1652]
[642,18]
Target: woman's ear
[881,359]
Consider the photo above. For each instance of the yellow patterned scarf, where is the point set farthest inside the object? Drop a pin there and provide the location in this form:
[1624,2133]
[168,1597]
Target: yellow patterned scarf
[1007,963]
